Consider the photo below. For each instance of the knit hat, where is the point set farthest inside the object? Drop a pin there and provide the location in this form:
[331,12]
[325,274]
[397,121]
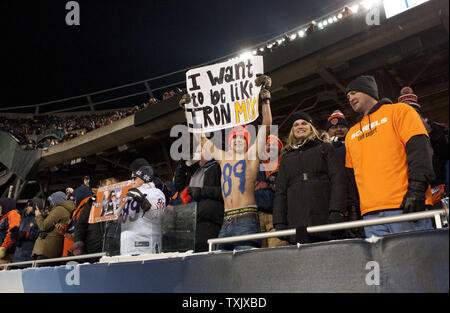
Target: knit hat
[301,116]
[56,198]
[38,202]
[136,164]
[407,96]
[146,173]
[81,193]
[239,131]
[336,118]
[7,204]
[364,84]
[276,140]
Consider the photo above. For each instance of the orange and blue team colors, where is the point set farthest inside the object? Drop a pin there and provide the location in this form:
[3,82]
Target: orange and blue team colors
[382,179]
[9,221]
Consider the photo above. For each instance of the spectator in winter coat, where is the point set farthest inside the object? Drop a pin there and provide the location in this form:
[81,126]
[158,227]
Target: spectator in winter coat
[204,187]
[265,190]
[312,184]
[10,219]
[28,231]
[89,237]
[82,197]
[337,128]
[439,139]
[50,242]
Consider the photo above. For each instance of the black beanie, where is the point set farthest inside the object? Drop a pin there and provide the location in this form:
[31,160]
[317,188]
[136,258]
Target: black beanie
[81,193]
[38,202]
[136,164]
[301,116]
[364,84]
[146,173]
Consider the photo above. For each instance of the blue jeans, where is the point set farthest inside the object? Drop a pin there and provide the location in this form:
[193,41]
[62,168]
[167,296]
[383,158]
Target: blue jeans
[236,226]
[386,229]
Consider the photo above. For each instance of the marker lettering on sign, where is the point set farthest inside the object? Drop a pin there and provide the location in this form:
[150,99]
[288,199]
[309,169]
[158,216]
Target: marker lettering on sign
[223,95]
[193,79]
[232,73]
[248,108]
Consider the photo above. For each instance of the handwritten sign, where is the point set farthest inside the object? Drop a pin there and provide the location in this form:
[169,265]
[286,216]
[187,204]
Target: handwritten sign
[223,95]
[108,199]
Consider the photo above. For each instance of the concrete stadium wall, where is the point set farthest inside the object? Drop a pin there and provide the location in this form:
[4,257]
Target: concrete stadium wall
[408,262]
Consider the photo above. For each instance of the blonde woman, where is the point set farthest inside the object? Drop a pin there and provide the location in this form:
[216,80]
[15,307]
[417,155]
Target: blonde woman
[311,187]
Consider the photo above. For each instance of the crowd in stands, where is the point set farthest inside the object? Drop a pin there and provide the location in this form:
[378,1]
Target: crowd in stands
[319,176]
[44,131]
[49,130]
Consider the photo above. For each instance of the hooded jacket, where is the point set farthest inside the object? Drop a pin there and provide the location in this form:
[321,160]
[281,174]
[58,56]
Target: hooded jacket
[265,187]
[27,234]
[10,218]
[385,150]
[82,196]
[50,241]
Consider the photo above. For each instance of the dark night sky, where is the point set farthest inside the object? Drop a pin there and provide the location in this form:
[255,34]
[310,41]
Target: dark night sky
[119,42]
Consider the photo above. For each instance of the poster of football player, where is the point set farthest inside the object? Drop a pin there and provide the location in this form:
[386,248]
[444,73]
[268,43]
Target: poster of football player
[108,199]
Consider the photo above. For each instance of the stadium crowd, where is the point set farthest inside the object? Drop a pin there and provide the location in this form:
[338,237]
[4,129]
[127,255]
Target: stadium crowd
[44,131]
[319,177]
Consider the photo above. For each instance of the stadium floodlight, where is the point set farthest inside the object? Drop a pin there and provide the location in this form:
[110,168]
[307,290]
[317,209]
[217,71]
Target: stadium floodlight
[301,33]
[325,23]
[245,55]
[367,4]
[354,8]
[335,19]
[261,49]
[293,36]
[330,20]
[269,46]
[340,16]
[320,25]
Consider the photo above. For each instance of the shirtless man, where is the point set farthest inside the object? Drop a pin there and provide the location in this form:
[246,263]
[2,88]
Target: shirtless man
[240,165]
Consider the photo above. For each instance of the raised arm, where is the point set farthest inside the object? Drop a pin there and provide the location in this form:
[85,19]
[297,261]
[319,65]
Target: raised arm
[264,98]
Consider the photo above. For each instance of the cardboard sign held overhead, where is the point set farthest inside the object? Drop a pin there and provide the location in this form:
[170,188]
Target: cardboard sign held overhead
[223,95]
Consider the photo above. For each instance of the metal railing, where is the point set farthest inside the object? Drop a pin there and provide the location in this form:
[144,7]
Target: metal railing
[436,214]
[34,263]
[338,226]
